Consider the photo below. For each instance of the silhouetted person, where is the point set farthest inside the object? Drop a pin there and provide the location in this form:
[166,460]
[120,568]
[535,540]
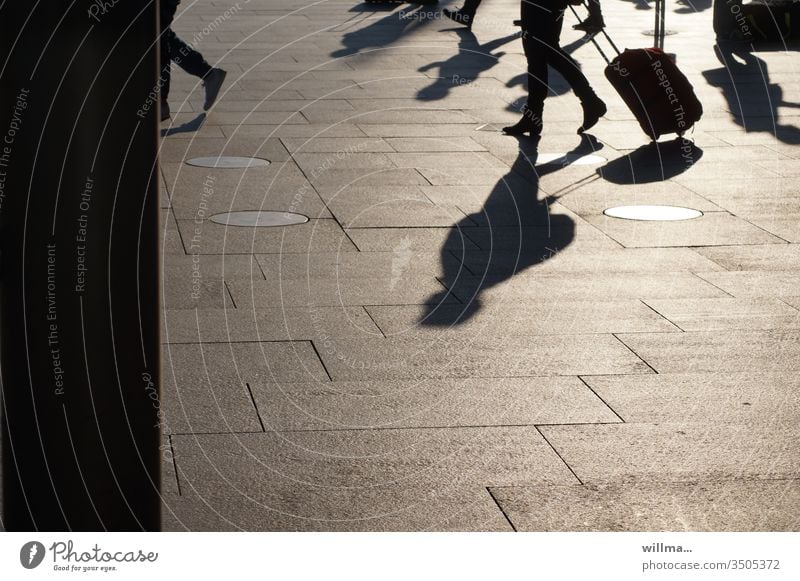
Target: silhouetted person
[173,49]
[541,32]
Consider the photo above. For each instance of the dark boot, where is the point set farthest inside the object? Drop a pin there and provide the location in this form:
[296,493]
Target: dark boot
[531,123]
[593,109]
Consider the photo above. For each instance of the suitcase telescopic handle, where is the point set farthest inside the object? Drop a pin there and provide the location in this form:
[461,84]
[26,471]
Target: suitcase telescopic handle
[594,42]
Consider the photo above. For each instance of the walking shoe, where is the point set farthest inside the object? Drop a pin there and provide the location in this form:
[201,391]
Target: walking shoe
[459,16]
[212,83]
[529,124]
[164,110]
[592,111]
[590,26]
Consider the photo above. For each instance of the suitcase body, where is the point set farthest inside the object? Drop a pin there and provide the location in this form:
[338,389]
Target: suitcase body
[658,94]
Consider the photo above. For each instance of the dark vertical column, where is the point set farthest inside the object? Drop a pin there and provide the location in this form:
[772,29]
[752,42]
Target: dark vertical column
[78,265]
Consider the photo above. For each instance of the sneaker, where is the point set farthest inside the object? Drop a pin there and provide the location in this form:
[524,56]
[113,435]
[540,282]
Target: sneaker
[212,83]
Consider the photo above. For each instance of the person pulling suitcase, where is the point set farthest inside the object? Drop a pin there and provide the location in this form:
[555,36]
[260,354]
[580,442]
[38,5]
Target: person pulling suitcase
[655,90]
[541,32]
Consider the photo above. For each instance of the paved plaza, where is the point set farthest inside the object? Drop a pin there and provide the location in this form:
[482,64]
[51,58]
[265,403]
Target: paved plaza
[458,338]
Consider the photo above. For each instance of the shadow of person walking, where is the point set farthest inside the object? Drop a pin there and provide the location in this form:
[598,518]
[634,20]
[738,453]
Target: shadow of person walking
[382,32]
[752,99]
[514,230]
[468,63]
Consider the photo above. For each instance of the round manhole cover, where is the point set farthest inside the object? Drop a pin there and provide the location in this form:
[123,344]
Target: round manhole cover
[228,162]
[568,159]
[653,213]
[259,219]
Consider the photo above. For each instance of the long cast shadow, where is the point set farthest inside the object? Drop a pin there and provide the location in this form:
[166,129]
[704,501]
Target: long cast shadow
[514,231]
[383,31]
[752,98]
[469,62]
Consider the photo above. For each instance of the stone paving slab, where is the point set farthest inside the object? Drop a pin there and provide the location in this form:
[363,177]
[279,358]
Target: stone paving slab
[577,258]
[537,242]
[359,459]
[603,286]
[414,239]
[428,403]
[711,229]
[269,324]
[782,257]
[233,364]
[755,284]
[409,358]
[544,317]
[772,350]
[323,235]
[746,399]
[335,144]
[679,451]
[785,228]
[713,506]
[413,290]
[179,150]
[398,508]
[727,313]
[402,261]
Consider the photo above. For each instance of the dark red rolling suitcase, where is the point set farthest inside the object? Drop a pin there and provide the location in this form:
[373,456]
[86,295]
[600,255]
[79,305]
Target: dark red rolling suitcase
[658,94]
[655,90]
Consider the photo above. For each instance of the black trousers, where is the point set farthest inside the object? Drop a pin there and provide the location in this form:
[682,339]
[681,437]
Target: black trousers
[541,34]
[173,49]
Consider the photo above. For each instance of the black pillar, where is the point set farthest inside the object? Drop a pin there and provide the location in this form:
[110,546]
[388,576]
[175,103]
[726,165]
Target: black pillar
[79,308]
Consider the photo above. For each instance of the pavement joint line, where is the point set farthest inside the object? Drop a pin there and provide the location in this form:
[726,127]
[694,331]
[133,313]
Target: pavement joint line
[230,294]
[634,352]
[781,299]
[174,464]
[508,519]
[255,406]
[394,428]
[321,362]
[698,275]
[559,455]
[598,396]
[374,322]
[763,229]
[674,324]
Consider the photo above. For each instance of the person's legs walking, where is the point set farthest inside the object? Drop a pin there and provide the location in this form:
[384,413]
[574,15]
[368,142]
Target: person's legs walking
[593,106]
[193,63]
[173,49]
[537,30]
[541,26]
[167,10]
